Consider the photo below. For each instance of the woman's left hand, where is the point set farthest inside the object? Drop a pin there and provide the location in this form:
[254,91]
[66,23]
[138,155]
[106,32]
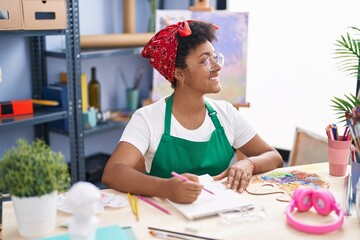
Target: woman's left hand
[238,175]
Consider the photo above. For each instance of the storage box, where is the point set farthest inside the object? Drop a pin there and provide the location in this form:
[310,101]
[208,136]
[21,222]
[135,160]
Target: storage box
[44,14]
[11,15]
[58,93]
[32,14]
[15,108]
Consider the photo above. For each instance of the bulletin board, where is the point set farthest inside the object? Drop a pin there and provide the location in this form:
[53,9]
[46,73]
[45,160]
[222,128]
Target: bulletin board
[231,41]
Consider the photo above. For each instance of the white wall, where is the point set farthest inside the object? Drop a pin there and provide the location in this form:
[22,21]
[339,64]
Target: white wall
[292,73]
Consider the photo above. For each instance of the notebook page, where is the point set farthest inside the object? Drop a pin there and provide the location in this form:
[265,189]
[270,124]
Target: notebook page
[207,205]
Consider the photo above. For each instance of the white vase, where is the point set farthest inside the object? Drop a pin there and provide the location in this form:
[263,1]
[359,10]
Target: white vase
[35,216]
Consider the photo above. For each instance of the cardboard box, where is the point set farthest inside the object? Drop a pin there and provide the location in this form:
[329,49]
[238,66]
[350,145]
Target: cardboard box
[44,14]
[11,15]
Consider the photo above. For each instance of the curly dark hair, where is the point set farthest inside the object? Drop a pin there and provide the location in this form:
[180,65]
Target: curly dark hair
[201,32]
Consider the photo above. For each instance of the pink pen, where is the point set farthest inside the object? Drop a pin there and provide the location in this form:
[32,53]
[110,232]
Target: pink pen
[187,180]
[153,204]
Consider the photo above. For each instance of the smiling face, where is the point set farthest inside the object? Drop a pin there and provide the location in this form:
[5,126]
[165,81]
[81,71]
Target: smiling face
[196,76]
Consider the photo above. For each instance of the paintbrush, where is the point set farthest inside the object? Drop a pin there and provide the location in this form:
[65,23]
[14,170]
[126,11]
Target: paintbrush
[123,77]
[139,78]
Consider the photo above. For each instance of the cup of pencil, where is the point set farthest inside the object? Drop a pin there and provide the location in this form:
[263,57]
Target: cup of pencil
[338,150]
[132,97]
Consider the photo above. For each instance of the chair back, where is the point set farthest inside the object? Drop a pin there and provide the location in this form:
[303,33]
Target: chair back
[308,148]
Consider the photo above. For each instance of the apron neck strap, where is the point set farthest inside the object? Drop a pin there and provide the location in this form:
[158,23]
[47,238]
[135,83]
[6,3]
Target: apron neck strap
[212,114]
[168,115]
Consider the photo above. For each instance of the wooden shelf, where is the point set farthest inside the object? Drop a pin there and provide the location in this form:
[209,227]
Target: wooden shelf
[98,53]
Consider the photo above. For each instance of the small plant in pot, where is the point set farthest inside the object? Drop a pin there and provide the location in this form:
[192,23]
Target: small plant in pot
[33,174]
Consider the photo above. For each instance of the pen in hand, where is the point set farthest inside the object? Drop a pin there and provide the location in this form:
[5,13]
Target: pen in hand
[187,180]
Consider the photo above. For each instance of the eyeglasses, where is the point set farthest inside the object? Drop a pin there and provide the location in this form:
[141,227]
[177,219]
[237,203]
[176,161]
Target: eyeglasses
[211,61]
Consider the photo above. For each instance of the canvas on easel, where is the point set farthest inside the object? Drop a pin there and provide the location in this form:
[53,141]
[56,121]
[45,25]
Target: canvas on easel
[231,41]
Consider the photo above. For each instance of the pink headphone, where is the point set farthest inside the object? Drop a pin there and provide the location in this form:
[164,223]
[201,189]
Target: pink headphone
[323,202]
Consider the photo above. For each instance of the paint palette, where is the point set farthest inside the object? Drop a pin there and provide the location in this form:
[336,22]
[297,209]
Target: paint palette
[284,183]
[107,200]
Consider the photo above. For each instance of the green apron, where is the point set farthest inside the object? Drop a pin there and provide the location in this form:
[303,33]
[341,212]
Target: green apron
[183,156]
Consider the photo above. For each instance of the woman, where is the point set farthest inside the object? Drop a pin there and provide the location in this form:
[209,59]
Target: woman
[186,132]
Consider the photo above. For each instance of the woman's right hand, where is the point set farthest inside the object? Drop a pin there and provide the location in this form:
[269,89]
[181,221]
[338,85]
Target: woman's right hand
[181,191]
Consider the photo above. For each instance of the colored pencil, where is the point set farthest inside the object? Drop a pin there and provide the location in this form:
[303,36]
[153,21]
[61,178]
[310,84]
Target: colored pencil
[134,205]
[334,131]
[154,204]
[187,180]
[131,202]
[136,208]
[344,134]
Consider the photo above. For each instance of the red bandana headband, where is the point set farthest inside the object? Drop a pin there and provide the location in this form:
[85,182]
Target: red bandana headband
[162,48]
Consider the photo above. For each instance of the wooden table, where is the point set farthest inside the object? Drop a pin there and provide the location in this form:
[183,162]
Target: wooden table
[274,226]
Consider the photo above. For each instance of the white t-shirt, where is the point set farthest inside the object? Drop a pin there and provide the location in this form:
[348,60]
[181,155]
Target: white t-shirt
[146,127]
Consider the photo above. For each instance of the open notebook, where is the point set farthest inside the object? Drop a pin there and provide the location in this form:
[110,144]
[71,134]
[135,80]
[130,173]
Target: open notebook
[209,205]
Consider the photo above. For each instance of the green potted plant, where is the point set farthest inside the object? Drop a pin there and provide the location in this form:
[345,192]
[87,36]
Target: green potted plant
[33,174]
[341,106]
[348,53]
